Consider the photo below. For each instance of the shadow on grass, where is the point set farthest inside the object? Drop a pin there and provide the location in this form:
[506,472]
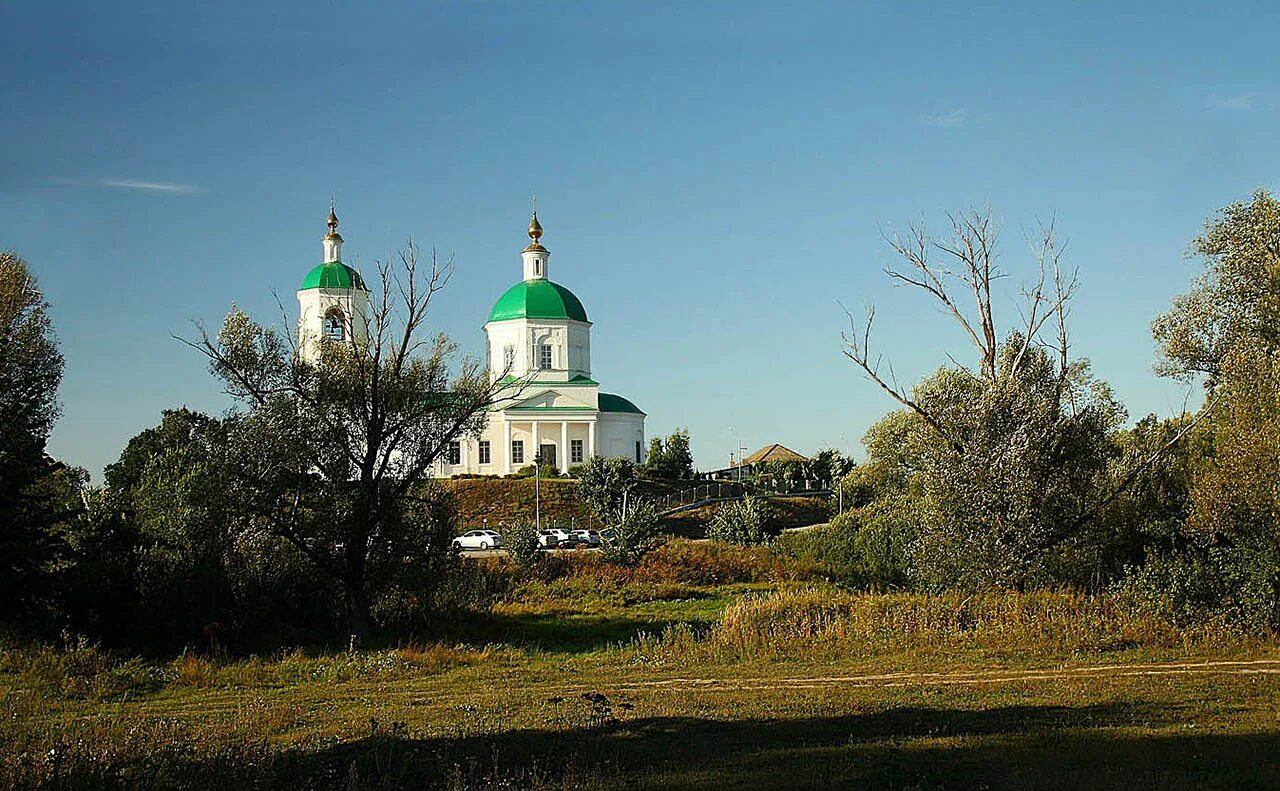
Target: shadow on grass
[559,632]
[1016,747]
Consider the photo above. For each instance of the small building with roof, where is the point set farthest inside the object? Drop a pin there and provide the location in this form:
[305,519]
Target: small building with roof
[741,468]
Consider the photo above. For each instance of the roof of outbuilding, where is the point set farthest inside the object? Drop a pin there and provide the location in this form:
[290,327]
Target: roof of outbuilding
[774,452]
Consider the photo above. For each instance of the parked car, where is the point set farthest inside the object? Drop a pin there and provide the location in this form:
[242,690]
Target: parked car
[477,539]
[588,538]
[553,537]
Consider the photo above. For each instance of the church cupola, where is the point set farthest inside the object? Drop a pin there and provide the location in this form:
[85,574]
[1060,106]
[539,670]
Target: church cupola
[535,255]
[332,240]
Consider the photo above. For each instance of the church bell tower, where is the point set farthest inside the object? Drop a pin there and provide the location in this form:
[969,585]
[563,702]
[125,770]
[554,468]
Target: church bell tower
[333,301]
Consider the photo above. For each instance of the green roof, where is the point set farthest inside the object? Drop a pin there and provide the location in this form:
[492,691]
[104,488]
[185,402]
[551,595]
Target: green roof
[334,274]
[616,403]
[538,299]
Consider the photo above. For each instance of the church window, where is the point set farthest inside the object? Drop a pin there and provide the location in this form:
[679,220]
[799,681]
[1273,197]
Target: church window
[335,326]
[509,357]
[517,451]
[455,452]
[575,451]
[544,357]
[484,451]
[638,451]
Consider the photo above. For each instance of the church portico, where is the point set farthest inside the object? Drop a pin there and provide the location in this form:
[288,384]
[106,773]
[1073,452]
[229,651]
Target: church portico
[562,441]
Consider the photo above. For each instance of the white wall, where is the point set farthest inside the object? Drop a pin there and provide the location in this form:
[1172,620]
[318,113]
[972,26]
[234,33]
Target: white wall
[314,303]
[570,343]
[618,433]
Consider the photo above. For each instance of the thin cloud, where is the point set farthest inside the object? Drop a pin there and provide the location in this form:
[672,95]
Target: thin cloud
[949,120]
[1240,102]
[151,186]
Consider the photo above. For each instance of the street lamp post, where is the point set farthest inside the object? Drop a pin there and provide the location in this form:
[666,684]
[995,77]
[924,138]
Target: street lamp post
[537,490]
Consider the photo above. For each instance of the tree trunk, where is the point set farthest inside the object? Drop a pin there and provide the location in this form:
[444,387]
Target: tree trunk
[358,618]
[355,590]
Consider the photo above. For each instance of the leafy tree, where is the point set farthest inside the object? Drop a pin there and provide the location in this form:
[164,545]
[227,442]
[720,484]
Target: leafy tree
[30,372]
[605,485]
[1236,300]
[1228,329]
[787,475]
[334,449]
[892,460]
[184,539]
[670,459]
[1147,515]
[1009,454]
[1035,452]
[829,466]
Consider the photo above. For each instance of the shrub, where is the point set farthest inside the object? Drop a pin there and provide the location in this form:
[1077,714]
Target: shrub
[834,547]
[867,546]
[638,534]
[520,539]
[545,471]
[1195,586]
[82,670]
[746,521]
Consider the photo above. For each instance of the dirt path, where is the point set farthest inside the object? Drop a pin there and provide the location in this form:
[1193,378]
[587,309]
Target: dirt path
[963,677]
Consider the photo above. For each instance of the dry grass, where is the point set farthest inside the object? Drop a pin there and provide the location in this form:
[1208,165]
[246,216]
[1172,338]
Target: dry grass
[1044,622]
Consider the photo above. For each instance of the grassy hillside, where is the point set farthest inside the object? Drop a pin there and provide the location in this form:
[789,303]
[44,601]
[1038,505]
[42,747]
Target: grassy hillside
[494,501]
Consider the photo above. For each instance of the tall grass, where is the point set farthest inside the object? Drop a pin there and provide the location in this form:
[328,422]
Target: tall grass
[811,622]
[84,671]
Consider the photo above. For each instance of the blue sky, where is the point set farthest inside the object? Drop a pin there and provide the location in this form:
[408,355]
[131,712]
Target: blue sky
[714,179]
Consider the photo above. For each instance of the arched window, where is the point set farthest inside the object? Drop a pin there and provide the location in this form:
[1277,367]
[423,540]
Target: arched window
[335,325]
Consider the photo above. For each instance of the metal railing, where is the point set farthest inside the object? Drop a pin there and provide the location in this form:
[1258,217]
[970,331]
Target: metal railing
[725,491]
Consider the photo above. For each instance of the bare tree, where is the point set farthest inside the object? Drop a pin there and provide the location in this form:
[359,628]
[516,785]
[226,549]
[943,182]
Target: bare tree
[969,266]
[336,445]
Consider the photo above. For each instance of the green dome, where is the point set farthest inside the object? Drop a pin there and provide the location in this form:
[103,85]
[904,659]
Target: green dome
[537,299]
[334,274]
[616,403]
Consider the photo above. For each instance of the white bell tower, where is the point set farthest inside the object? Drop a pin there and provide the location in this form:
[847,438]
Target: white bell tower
[333,302]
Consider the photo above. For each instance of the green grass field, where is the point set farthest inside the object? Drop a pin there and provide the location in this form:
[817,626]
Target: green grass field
[606,688]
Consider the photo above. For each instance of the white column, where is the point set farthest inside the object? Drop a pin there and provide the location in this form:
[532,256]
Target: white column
[537,444]
[564,446]
[506,449]
[591,439]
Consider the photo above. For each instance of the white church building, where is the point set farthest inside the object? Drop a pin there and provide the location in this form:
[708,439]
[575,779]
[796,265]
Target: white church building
[538,342]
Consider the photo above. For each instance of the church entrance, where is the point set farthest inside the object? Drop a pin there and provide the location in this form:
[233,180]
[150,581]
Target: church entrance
[547,455]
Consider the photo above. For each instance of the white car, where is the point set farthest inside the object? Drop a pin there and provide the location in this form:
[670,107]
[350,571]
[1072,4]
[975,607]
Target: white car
[585,537]
[478,539]
[552,538]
